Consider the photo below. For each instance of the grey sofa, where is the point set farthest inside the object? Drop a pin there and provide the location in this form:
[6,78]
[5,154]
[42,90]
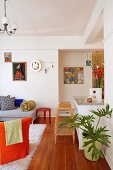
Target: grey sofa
[16,114]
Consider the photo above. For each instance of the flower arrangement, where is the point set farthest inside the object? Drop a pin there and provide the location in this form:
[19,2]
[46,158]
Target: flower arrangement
[99,75]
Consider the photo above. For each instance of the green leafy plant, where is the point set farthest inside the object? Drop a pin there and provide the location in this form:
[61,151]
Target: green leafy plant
[93,133]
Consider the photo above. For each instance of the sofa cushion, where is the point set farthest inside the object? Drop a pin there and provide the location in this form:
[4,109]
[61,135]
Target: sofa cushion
[8,103]
[3,97]
[17,113]
[18,102]
[28,105]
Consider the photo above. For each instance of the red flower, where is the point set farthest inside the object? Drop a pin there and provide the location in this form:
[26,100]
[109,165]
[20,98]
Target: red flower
[99,74]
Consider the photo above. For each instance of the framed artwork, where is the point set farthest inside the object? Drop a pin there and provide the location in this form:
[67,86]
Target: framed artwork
[19,71]
[73,75]
[88,62]
[8,57]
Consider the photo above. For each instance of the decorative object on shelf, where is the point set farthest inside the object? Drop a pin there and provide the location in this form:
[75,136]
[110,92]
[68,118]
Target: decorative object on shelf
[89,99]
[8,57]
[19,71]
[73,75]
[5,26]
[96,94]
[94,135]
[36,65]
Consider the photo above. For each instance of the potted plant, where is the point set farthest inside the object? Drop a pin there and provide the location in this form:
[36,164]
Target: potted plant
[94,134]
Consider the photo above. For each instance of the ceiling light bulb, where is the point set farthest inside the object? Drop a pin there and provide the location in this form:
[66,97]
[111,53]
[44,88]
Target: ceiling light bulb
[14,26]
[5,20]
[9,29]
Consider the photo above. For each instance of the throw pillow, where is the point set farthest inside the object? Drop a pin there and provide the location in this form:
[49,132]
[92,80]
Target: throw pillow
[8,103]
[3,97]
[18,102]
[28,105]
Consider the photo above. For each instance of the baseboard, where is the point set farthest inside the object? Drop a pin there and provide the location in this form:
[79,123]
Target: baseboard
[46,116]
[109,160]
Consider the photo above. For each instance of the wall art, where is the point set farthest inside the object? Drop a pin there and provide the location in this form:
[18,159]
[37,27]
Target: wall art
[8,57]
[73,75]
[19,71]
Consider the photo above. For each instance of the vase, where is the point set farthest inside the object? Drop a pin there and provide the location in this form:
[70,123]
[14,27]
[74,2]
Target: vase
[88,155]
[99,83]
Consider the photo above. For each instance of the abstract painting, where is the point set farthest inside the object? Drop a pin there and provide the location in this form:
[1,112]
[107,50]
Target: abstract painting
[73,75]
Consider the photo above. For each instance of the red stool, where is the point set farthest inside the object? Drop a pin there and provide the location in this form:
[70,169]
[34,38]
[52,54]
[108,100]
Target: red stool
[44,110]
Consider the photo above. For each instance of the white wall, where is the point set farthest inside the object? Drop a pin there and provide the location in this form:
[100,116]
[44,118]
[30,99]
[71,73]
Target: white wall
[74,59]
[62,42]
[41,87]
[108,57]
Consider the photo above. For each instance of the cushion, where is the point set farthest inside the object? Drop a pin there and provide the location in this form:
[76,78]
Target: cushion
[18,102]
[17,113]
[28,105]
[8,103]
[65,104]
[2,97]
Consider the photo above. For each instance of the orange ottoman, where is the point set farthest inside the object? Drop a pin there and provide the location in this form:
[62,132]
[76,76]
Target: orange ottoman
[44,110]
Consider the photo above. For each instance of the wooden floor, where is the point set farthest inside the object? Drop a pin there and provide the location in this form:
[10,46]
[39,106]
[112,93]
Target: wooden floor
[63,155]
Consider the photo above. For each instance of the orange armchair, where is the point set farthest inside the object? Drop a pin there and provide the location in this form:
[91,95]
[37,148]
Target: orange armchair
[15,151]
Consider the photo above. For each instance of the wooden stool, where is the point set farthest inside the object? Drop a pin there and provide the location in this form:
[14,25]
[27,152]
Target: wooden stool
[65,131]
[44,110]
[64,106]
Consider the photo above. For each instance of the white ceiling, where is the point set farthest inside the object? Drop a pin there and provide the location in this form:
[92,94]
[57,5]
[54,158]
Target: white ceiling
[49,17]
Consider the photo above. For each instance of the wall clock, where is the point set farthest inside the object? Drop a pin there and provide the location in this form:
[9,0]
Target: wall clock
[36,65]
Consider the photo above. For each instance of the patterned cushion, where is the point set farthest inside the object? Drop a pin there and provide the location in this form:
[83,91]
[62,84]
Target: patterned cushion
[8,103]
[3,97]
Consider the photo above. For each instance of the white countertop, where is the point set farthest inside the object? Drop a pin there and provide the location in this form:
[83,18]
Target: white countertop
[83,101]
[82,107]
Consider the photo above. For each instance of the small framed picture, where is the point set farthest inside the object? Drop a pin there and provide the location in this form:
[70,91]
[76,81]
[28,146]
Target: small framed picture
[8,57]
[19,71]
[88,62]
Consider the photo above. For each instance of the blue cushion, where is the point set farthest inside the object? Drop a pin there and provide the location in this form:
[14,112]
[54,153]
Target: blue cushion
[18,102]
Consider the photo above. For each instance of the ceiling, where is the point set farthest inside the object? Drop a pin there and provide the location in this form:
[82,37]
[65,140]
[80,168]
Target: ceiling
[49,17]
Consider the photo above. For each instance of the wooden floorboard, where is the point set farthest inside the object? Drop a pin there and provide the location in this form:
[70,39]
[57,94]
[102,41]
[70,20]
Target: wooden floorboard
[63,155]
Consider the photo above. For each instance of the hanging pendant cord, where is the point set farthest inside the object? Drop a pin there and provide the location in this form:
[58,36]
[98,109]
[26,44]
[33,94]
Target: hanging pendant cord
[5,7]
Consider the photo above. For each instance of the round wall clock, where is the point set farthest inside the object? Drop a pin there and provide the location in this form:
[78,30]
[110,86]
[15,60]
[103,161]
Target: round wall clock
[35,65]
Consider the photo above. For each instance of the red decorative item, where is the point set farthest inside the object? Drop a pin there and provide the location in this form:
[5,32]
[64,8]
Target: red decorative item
[89,100]
[99,75]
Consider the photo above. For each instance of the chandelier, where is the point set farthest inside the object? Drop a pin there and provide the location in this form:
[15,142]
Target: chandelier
[5,26]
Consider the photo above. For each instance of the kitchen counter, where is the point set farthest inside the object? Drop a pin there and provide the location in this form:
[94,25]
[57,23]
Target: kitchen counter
[83,101]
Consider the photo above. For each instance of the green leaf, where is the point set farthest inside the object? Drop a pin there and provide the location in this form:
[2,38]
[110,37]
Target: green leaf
[92,133]
[103,112]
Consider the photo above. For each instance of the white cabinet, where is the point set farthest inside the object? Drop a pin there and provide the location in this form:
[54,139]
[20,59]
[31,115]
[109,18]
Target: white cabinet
[83,108]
